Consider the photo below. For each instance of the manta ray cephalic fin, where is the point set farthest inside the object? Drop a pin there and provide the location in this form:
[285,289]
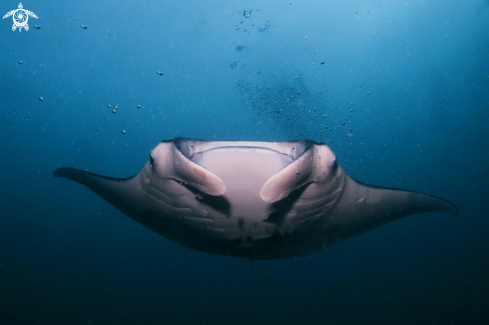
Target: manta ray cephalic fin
[169,162]
[316,164]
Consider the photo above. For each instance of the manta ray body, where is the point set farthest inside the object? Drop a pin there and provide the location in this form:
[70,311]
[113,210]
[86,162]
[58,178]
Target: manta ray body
[255,200]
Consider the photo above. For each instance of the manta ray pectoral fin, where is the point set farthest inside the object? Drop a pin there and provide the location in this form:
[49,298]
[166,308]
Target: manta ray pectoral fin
[380,200]
[370,206]
[411,202]
[85,177]
[316,164]
[120,192]
[170,162]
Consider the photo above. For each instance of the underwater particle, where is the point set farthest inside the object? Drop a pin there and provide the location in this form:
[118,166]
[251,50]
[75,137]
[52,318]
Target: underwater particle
[323,62]
[247,13]
[37,27]
[298,93]
[108,106]
[160,73]
[41,99]
[20,62]
[123,131]
[116,107]
[113,111]
[296,77]
[297,172]
[264,28]
[368,93]
[139,106]
[239,48]
[233,65]
[242,21]
[84,27]
[74,19]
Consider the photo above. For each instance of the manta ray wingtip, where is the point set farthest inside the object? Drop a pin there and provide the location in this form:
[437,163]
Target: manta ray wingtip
[64,172]
[450,208]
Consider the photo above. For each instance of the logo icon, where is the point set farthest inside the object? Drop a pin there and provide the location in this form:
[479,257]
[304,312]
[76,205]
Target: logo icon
[20,17]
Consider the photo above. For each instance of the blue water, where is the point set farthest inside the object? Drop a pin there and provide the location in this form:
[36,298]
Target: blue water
[409,78]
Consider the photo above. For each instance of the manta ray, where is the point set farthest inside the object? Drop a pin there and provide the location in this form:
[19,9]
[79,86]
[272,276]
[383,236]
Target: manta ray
[254,200]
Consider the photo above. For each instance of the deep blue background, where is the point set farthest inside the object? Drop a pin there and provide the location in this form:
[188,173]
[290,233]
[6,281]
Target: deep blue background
[415,73]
